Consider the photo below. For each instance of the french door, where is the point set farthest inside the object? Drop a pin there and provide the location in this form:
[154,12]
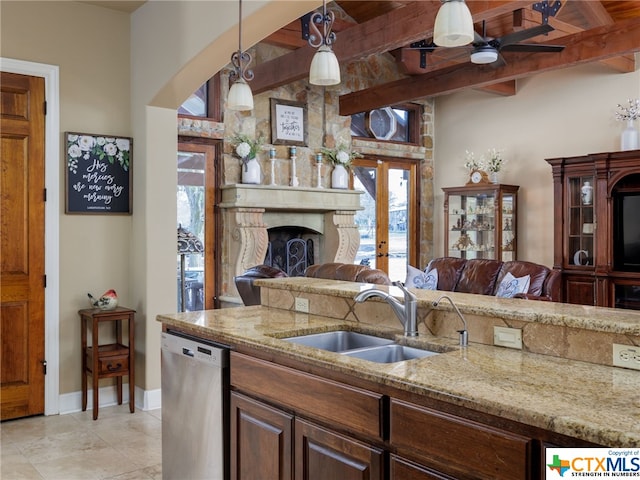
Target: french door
[388,223]
[196,265]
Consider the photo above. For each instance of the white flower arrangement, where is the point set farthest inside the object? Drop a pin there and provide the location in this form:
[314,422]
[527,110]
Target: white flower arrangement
[471,163]
[340,156]
[632,112]
[246,148]
[494,160]
[87,147]
[491,162]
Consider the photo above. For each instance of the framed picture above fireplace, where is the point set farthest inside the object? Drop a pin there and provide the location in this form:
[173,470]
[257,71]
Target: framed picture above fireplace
[288,122]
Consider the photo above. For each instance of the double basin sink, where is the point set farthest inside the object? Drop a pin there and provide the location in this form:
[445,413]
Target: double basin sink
[360,345]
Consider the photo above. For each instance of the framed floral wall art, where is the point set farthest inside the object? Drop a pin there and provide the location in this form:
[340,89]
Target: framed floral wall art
[98,174]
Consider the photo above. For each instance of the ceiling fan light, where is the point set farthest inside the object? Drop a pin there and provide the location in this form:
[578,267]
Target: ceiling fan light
[481,57]
[325,69]
[453,26]
[240,96]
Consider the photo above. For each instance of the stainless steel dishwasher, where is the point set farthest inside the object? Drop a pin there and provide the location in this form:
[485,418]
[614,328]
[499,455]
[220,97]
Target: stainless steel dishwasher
[195,379]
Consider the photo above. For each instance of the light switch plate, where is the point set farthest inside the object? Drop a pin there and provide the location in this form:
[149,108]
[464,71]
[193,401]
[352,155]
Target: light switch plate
[627,356]
[507,337]
[302,305]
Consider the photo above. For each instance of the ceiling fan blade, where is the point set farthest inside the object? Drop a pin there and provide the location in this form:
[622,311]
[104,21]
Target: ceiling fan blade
[515,37]
[500,62]
[532,47]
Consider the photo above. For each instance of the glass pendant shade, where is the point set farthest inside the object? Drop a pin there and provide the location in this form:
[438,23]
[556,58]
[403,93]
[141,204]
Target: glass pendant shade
[454,25]
[240,96]
[325,69]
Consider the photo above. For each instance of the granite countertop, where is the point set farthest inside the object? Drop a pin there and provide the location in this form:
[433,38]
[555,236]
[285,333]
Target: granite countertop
[592,402]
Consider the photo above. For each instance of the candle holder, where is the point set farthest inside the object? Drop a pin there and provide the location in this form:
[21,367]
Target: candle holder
[294,177]
[319,169]
[272,159]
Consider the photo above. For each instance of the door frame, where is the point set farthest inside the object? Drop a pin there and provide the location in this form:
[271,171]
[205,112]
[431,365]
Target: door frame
[50,73]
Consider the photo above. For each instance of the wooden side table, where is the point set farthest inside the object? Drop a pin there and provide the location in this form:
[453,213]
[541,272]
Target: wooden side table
[108,360]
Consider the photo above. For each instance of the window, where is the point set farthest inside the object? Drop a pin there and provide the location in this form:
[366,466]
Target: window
[397,124]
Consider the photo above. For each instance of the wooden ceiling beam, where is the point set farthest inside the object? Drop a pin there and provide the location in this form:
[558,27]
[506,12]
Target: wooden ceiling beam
[600,43]
[504,89]
[386,32]
[622,64]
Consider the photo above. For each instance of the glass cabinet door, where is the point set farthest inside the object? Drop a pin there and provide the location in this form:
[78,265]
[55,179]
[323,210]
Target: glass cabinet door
[581,227]
[481,222]
[472,226]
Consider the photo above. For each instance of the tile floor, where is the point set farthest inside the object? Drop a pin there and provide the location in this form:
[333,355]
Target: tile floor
[118,445]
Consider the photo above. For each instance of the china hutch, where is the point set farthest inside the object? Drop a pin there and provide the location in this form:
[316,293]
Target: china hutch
[480,221]
[597,228]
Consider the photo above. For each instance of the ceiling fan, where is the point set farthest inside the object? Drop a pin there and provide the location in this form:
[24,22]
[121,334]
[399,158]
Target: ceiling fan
[486,50]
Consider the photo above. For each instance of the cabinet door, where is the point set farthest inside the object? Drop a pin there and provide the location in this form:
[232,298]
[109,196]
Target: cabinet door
[580,222]
[321,454]
[261,441]
[471,225]
[580,289]
[402,469]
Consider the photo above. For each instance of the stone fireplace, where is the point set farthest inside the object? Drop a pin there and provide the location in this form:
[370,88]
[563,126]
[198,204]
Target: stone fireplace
[248,211]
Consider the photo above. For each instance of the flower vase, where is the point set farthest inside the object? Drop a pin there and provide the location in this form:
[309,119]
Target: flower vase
[629,137]
[339,177]
[493,176]
[251,171]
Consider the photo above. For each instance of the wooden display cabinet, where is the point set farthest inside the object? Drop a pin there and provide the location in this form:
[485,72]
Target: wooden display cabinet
[596,231]
[480,221]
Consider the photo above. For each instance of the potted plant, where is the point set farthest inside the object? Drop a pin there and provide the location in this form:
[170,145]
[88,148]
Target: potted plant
[494,163]
[341,158]
[629,137]
[246,149]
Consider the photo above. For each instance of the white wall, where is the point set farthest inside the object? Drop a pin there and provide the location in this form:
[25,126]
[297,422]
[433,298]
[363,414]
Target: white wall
[563,113]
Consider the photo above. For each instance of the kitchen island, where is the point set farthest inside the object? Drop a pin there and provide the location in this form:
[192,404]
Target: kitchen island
[524,398]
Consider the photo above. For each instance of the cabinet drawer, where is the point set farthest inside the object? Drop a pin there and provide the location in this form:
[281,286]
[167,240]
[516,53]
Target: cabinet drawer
[458,446]
[316,397]
[112,365]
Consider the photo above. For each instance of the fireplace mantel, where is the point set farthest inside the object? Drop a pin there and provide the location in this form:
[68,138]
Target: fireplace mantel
[248,211]
[300,199]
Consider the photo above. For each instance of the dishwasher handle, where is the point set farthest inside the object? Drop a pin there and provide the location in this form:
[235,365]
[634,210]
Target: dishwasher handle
[188,352]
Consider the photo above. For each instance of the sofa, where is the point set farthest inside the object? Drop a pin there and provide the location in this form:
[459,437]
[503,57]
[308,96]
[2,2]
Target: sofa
[484,277]
[250,293]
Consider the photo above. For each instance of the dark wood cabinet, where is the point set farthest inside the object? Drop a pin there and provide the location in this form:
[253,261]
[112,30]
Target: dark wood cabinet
[261,440]
[321,454]
[596,231]
[497,454]
[481,221]
[403,469]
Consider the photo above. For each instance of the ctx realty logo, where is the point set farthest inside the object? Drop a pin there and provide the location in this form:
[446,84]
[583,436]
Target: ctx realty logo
[592,462]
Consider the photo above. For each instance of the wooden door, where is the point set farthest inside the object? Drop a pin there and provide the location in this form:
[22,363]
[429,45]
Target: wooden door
[261,441]
[22,278]
[388,223]
[321,454]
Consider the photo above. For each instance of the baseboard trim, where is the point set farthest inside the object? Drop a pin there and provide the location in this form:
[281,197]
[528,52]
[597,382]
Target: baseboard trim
[107,396]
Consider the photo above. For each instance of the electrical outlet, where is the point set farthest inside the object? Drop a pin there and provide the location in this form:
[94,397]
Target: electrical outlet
[302,305]
[507,337]
[627,356]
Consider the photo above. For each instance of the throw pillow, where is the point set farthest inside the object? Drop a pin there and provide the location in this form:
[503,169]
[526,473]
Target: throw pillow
[510,285]
[416,278]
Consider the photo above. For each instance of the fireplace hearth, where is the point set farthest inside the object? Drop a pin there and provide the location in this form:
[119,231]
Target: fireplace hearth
[249,212]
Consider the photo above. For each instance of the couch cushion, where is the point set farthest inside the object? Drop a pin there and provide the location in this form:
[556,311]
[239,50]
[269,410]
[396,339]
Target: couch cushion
[249,292]
[347,272]
[449,271]
[519,268]
[479,276]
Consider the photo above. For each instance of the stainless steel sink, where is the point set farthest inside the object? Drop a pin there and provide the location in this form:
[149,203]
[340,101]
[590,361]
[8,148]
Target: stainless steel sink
[390,353]
[360,345]
[339,341]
